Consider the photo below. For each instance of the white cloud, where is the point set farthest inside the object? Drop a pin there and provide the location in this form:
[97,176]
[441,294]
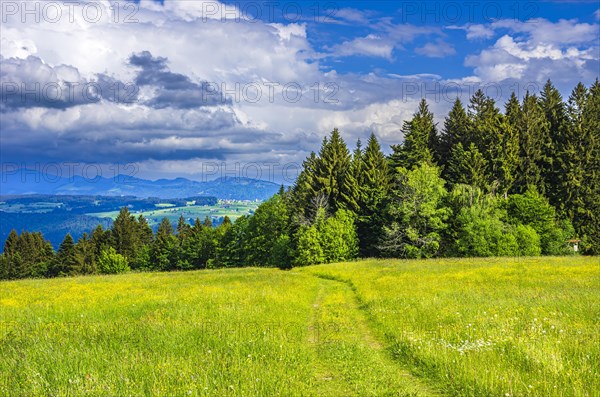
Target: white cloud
[438,49]
[371,45]
[538,49]
[479,31]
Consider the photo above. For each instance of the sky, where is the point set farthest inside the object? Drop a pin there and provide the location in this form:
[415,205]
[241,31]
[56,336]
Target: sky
[202,89]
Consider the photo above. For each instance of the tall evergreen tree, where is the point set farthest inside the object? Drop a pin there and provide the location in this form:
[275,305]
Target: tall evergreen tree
[331,170]
[590,222]
[468,167]
[352,189]
[455,131]
[65,262]
[532,127]
[375,186]
[579,161]
[184,230]
[125,234]
[556,115]
[85,255]
[144,230]
[419,136]
[164,253]
[11,243]
[496,140]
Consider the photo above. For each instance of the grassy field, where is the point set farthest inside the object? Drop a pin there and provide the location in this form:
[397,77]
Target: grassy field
[473,327]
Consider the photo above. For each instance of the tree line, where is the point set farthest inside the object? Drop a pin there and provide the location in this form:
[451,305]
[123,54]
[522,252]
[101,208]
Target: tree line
[485,183]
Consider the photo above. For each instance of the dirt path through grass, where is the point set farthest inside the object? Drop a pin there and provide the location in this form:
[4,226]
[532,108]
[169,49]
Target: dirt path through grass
[351,359]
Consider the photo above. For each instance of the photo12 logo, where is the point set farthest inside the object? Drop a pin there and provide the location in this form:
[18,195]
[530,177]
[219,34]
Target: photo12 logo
[58,172]
[260,91]
[68,11]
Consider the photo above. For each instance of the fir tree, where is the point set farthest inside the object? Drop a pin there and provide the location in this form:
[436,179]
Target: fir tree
[125,234]
[532,127]
[455,131]
[144,231]
[331,170]
[65,263]
[375,188]
[419,135]
[556,115]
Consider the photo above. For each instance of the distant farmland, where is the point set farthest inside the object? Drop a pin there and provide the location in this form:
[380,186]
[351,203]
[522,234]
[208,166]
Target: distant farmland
[231,208]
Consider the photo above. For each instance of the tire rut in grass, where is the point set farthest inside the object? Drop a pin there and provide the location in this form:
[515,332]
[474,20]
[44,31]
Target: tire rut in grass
[350,359]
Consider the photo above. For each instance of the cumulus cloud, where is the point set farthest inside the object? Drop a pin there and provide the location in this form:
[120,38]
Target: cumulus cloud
[536,50]
[172,82]
[438,49]
[371,45]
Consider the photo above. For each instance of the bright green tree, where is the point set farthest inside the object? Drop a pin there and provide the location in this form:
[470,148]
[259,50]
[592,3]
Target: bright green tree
[111,262]
[418,214]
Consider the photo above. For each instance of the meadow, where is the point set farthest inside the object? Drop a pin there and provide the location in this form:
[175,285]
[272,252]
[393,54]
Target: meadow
[469,327]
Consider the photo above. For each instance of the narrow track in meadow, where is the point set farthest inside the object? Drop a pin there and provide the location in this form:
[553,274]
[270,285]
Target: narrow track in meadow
[351,358]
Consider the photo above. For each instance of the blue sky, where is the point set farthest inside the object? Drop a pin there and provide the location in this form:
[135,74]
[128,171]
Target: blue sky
[181,87]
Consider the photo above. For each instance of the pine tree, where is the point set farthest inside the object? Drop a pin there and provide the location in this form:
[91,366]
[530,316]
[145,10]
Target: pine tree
[352,189]
[331,170]
[184,230]
[144,231]
[100,239]
[164,252]
[11,243]
[496,140]
[467,167]
[375,187]
[125,234]
[455,131]
[556,115]
[532,126]
[590,225]
[65,263]
[304,189]
[419,136]
[85,255]
[579,161]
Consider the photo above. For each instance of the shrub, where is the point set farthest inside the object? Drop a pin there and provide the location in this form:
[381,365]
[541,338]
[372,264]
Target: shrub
[110,262]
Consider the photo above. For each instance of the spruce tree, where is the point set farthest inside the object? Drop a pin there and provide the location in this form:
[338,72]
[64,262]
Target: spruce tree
[590,225]
[468,167]
[11,243]
[331,170]
[556,115]
[144,230]
[352,189]
[125,234]
[419,136]
[375,188]
[85,255]
[184,230]
[65,262]
[455,131]
[496,139]
[529,122]
[164,252]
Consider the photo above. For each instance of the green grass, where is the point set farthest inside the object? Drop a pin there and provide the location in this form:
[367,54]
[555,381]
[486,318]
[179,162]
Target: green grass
[468,327]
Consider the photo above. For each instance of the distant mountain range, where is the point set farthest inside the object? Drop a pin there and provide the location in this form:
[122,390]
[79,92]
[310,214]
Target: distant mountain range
[232,188]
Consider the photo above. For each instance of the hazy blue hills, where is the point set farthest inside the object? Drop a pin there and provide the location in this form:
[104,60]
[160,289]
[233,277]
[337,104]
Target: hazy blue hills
[234,188]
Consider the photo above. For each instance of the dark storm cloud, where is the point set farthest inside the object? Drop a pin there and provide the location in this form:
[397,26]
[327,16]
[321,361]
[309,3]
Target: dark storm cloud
[126,147]
[173,89]
[28,83]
